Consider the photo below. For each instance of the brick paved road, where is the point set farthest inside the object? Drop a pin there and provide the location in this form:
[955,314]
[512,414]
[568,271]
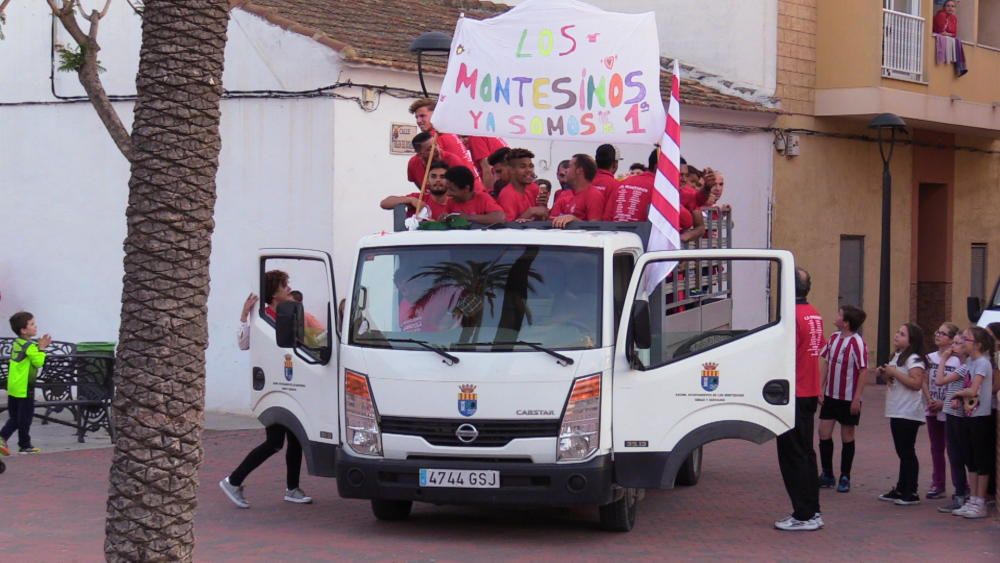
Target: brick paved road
[52,508]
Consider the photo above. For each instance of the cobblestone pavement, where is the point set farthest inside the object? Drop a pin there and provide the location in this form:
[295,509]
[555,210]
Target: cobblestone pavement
[52,509]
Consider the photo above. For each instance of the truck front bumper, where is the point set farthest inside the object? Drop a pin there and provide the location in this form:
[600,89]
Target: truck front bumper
[521,483]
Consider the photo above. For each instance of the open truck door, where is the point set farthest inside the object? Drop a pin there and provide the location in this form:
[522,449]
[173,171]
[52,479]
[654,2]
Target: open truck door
[294,350]
[699,362]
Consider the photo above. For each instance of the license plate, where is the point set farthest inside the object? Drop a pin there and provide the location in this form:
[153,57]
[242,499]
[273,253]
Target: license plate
[460,478]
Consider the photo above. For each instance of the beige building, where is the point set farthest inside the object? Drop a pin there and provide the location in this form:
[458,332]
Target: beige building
[840,63]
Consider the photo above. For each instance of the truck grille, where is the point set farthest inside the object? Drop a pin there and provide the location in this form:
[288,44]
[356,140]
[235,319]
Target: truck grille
[492,433]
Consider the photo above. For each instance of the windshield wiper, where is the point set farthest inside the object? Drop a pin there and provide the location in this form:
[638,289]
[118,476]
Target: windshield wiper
[449,359]
[561,359]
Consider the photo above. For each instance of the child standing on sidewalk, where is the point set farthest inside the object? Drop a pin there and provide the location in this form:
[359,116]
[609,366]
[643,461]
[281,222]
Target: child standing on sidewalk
[843,382]
[978,399]
[954,425]
[25,358]
[904,407]
[935,396]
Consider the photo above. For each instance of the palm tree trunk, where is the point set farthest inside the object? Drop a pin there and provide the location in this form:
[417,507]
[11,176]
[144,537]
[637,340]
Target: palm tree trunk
[160,371]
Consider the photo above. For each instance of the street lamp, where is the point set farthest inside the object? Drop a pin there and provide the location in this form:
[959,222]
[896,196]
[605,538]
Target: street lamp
[432,43]
[888,126]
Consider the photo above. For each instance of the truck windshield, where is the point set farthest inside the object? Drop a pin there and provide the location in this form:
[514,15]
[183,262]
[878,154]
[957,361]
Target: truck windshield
[478,298]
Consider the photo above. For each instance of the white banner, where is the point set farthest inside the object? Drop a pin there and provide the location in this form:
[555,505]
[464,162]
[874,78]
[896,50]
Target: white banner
[558,70]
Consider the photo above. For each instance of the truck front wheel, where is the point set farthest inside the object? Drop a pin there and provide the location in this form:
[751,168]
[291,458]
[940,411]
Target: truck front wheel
[619,516]
[690,472]
[391,510]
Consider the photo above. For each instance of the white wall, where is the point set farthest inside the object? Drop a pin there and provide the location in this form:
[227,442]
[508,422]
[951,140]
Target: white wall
[735,39]
[65,184]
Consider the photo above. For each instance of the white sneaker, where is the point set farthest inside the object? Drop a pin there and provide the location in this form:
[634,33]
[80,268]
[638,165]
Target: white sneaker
[818,519]
[234,493]
[793,525]
[960,511]
[298,496]
[977,509]
[785,520]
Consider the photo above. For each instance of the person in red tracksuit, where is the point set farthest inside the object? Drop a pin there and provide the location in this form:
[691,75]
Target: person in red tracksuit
[796,456]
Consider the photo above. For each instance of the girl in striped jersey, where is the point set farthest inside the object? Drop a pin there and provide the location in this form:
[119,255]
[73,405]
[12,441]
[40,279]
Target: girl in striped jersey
[843,382]
[941,362]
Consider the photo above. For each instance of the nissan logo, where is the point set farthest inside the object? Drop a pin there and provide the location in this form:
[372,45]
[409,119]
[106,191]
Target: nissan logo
[466,433]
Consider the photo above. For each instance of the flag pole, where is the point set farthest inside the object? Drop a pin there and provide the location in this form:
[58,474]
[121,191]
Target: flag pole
[427,174]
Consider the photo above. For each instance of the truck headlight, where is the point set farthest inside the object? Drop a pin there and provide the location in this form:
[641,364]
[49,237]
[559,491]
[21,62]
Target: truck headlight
[580,431]
[362,425]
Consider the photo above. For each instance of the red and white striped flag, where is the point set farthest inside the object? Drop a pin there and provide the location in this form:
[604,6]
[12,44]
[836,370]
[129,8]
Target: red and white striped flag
[664,211]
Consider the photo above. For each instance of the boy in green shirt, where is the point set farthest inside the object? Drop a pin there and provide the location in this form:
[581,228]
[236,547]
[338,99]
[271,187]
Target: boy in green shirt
[26,357]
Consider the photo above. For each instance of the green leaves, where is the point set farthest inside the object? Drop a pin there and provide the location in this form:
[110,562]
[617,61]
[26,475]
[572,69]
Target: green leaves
[71,59]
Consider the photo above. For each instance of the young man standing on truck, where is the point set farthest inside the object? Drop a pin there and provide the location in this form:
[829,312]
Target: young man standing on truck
[435,198]
[607,159]
[477,207]
[519,198]
[796,456]
[423,111]
[587,204]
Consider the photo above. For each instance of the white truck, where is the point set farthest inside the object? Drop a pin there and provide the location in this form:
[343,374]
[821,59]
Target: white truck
[524,366]
[983,314]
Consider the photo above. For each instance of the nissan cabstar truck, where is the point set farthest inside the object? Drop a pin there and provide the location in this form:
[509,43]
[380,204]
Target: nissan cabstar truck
[524,366]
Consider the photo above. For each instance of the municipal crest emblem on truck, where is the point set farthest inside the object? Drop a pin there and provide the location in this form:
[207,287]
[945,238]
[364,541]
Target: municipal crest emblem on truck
[710,376]
[467,400]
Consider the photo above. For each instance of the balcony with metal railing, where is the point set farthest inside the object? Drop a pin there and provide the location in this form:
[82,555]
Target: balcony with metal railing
[903,42]
[873,59]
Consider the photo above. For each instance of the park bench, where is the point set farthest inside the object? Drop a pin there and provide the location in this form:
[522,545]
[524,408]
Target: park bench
[72,381]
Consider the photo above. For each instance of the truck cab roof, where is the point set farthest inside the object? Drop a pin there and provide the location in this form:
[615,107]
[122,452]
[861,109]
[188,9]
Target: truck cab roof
[610,239]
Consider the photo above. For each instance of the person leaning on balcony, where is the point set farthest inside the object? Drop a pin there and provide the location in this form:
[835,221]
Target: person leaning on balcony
[945,21]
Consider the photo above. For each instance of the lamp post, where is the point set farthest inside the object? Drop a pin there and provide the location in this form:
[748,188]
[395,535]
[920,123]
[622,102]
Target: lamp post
[888,126]
[432,43]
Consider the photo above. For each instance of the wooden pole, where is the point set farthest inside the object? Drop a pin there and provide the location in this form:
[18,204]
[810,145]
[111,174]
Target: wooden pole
[427,174]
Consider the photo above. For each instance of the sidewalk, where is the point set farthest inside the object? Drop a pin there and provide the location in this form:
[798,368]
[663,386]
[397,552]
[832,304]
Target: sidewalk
[59,501]
[53,438]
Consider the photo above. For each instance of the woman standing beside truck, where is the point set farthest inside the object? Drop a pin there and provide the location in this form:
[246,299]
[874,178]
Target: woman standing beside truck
[276,291]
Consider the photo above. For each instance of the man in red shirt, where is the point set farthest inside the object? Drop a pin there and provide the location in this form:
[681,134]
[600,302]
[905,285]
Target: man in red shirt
[435,197]
[519,199]
[501,170]
[477,207]
[587,204]
[417,167]
[481,148]
[607,159]
[423,110]
[628,202]
[796,456]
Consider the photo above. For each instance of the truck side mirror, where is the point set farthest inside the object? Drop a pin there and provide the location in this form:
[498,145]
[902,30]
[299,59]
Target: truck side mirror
[641,332]
[290,324]
[974,309]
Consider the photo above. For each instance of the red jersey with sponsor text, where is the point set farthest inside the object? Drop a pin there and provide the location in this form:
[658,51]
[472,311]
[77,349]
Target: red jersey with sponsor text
[808,344]
[586,205]
[629,200]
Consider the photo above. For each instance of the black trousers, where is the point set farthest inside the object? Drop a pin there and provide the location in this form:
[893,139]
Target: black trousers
[954,427]
[20,411]
[797,460]
[272,445]
[904,438]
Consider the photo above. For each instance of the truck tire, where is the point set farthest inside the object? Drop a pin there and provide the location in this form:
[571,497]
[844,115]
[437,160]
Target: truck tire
[391,510]
[619,516]
[690,471]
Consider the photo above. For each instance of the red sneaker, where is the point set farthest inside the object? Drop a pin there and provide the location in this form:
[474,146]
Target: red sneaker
[4,450]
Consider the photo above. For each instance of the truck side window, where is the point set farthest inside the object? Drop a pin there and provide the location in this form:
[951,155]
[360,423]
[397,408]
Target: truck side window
[622,267]
[703,304]
[307,281]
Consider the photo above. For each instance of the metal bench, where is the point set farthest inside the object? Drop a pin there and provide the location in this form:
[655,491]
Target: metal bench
[77,383]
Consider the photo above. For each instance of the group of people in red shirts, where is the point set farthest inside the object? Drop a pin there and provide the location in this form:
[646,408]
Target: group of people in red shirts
[487,182]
